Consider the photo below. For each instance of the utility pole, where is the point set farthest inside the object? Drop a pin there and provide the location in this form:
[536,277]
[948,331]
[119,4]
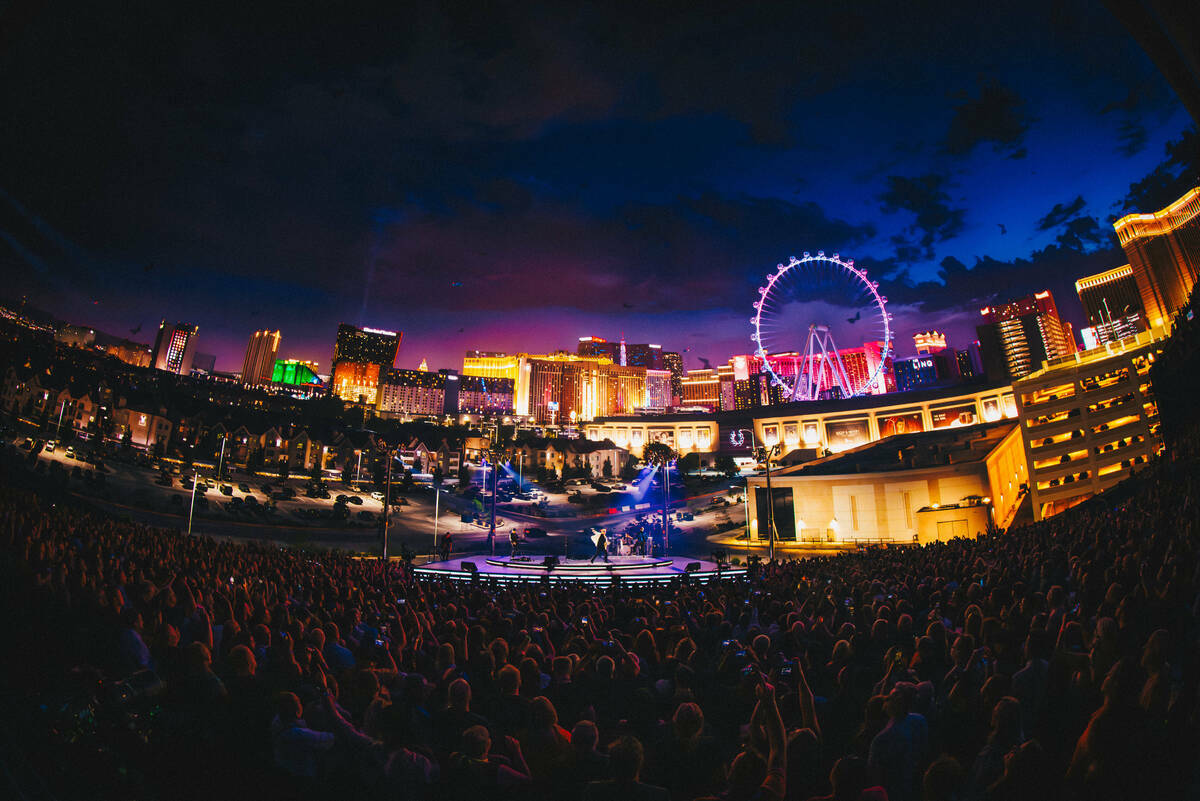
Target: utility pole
[495,488]
[387,505]
[192,506]
[770,450]
[437,497]
[221,461]
[666,506]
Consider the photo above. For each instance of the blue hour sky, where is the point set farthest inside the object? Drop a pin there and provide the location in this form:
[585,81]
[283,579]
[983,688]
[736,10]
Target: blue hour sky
[514,176]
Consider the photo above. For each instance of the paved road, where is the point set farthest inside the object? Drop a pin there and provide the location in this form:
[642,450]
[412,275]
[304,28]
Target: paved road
[132,492]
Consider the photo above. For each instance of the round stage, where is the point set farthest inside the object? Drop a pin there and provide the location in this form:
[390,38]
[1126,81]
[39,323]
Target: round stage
[534,567]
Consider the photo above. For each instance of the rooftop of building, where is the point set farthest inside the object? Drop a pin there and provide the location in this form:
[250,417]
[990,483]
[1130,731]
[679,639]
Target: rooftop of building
[939,448]
[813,408]
[1163,221]
[1088,358]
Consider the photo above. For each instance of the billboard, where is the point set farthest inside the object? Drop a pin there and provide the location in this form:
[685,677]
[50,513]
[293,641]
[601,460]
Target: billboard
[665,436]
[741,368]
[791,434]
[845,434]
[954,416]
[902,423]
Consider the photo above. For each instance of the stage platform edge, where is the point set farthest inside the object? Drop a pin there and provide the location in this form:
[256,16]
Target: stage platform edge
[626,569]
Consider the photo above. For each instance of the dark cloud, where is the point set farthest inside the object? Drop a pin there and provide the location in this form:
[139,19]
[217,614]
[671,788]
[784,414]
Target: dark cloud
[695,251]
[925,197]
[958,287]
[1061,213]
[1084,233]
[997,116]
[1132,136]
[1174,175]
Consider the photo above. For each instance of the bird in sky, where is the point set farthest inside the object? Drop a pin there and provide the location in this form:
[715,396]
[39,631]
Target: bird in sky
[134,331]
[1003,230]
[857,316]
[627,305]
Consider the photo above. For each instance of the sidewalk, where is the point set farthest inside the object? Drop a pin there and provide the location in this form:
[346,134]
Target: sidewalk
[729,540]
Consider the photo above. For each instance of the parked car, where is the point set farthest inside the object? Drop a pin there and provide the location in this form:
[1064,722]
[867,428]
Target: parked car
[533,532]
[227,489]
[377,495]
[598,487]
[244,488]
[354,499]
[51,445]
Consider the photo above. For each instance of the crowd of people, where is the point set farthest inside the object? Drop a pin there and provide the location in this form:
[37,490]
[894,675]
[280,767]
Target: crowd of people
[1055,660]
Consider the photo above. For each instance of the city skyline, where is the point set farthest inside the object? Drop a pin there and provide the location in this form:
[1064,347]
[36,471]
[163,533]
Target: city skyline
[318,179]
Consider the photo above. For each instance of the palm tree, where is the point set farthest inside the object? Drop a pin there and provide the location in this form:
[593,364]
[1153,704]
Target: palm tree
[660,454]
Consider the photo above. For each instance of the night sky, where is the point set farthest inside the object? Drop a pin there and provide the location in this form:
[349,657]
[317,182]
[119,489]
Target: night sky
[514,176]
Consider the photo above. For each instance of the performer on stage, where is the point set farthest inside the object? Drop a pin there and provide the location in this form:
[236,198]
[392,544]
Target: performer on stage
[601,547]
[514,540]
[446,546]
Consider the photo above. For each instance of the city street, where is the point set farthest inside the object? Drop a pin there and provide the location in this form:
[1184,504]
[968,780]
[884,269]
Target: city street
[306,521]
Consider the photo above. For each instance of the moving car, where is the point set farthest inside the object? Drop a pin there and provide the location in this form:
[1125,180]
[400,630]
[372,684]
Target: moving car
[51,445]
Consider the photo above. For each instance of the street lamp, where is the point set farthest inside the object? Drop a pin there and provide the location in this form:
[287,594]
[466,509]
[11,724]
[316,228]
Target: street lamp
[358,472]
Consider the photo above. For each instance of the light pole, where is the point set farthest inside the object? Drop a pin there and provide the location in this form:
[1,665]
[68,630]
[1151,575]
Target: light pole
[437,497]
[521,472]
[387,503]
[766,453]
[192,506]
[358,472]
[58,428]
[221,461]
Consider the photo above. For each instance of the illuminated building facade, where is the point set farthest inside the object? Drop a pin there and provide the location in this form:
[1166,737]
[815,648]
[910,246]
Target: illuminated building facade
[701,389]
[1018,336]
[360,355]
[817,425]
[417,393]
[479,395]
[75,336]
[259,364]
[649,356]
[562,387]
[1113,305]
[659,392]
[132,353]
[294,372]
[175,347]
[1163,249]
[1089,421]
[929,342]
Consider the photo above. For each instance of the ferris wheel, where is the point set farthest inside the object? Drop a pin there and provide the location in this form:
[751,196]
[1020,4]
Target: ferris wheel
[806,306]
